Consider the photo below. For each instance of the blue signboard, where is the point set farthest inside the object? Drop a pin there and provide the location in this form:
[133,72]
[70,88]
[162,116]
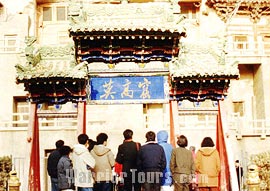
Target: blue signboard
[127,88]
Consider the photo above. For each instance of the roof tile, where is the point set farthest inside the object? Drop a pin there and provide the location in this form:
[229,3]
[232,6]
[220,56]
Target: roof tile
[124,17]
[203,60]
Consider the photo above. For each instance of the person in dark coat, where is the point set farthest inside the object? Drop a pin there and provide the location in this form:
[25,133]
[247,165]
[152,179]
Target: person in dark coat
[52,165]
[151,162]
[239,173]
[127,156]
[65,170]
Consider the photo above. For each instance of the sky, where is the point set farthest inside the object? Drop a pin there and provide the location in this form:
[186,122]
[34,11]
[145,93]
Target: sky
[14,6]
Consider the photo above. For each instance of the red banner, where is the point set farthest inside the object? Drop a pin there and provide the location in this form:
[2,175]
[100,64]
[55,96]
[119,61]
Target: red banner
[224,177]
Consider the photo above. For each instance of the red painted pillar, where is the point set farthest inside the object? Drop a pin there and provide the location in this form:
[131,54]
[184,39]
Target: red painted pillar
[172,121]
[33,139]
[224,177]
[81,118]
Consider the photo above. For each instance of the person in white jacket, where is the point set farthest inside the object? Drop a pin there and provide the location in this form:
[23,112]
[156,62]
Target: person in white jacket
[83,162]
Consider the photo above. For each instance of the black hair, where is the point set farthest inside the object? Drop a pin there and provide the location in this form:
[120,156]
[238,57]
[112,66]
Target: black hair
[150,136]
[82,139]
[59,143]
[207,142]
[128,133]
[92,143]
[182,141]
[101,138]
[65,150]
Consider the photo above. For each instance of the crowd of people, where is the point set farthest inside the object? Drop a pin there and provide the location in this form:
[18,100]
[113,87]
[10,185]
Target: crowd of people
[155,165]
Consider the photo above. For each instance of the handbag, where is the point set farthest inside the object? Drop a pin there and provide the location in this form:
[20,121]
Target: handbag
[118,168]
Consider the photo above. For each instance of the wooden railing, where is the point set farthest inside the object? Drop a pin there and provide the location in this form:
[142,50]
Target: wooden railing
[11,44]
[21,120]
[246,128]
[248,49]
[242,126]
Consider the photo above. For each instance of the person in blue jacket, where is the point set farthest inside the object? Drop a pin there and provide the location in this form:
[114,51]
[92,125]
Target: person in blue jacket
[166,181]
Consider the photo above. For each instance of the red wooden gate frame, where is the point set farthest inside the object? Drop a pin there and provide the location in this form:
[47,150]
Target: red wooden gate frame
[33,139]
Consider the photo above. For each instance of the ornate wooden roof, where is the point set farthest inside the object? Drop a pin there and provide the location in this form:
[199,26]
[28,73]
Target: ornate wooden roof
[51,74]
[128,33]
[49,62]
[202,60]
[124,18]
[254,8]
[201,72]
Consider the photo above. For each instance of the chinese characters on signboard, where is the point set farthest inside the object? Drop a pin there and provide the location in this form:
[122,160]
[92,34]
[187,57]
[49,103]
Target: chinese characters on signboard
[128,88]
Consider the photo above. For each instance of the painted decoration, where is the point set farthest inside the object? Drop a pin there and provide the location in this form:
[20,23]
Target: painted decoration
[140,88]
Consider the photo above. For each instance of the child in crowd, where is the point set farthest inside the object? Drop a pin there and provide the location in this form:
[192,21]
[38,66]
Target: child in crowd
[65,170]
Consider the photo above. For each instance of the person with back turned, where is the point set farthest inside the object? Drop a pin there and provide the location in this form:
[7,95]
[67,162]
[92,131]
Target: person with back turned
[104,163]
[182,165]
[207,162]
[239,172]
[53,159]
[83,164]
[151,162]
[127,157]
[166,181]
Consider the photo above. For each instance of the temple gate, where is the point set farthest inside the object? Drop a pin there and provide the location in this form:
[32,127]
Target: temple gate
[135,55]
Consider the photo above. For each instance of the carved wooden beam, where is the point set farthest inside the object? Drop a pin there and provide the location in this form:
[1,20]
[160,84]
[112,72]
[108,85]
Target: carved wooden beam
[255,9]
